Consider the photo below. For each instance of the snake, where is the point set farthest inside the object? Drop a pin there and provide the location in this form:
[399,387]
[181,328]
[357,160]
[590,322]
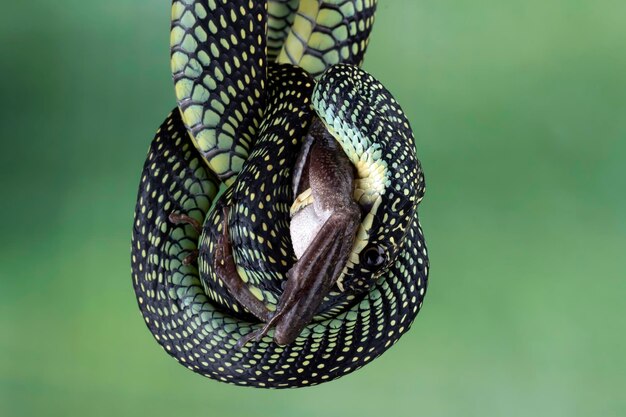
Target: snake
[276,241]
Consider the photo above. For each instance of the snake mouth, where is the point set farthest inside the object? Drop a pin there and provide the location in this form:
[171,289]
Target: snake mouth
[327,182]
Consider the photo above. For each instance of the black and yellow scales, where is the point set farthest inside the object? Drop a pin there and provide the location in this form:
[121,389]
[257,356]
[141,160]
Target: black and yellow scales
[310,262]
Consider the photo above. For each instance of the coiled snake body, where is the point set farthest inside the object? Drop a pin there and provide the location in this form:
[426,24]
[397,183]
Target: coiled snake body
[312,262]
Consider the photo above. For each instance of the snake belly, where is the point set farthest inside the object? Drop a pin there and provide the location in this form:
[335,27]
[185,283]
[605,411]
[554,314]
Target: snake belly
[189,312]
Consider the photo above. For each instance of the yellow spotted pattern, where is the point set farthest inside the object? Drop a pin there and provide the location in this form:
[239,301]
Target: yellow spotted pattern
[375,134]
[202,334]
[219,56]
[219,67]
[240,121]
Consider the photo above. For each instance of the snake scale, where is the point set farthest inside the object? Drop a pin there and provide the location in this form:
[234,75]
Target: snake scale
[278,139]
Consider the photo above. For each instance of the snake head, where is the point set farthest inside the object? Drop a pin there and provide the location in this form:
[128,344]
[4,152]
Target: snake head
[375,135]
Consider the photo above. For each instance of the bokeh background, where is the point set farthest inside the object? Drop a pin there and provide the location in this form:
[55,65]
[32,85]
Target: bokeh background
[519,109]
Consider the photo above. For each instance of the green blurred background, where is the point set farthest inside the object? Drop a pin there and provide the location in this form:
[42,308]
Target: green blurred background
[519,109]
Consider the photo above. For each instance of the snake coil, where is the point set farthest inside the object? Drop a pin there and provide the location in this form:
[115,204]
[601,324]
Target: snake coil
[245,74]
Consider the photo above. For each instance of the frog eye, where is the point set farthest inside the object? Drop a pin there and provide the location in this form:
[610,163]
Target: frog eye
[374,257]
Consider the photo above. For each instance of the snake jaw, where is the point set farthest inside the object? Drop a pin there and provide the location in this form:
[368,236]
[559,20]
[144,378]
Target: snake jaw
[371,178]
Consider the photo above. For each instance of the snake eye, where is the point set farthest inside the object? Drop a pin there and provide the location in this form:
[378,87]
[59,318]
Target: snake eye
[374,257]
